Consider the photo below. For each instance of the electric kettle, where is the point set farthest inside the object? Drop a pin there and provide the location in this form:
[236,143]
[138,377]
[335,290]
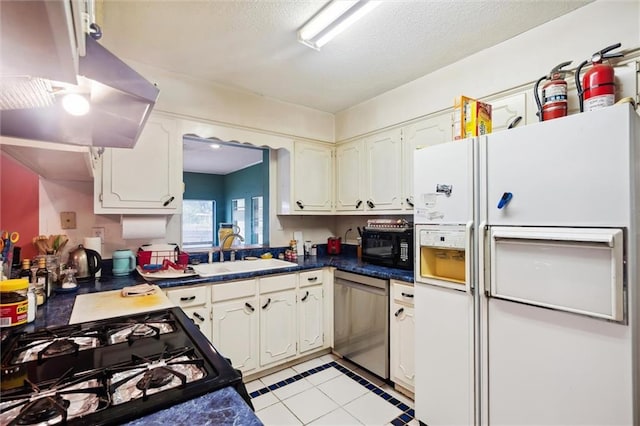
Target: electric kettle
[123,262]
[86,262]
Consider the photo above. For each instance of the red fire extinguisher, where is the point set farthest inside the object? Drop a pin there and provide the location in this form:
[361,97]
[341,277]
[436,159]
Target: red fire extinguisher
[554,94]
[598,86]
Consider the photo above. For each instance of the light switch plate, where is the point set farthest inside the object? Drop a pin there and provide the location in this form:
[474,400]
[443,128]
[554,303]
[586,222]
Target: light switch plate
[68,220]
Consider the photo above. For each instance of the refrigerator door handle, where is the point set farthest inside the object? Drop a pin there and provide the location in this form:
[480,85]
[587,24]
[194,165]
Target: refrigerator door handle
[482,232]
[468,243]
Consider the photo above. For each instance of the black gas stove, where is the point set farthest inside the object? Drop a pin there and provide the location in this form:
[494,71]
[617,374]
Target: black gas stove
[109,371]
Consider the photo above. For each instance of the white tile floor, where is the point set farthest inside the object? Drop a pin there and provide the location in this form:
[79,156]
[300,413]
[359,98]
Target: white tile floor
[328,391]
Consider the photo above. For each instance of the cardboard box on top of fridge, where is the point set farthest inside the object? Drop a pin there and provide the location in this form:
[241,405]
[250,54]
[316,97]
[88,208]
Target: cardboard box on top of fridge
[470,118]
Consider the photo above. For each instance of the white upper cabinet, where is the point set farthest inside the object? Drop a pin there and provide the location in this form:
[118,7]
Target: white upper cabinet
[305,185]
[368,173]
[349,176]
[505,111]
[146,179]
[427,132]
[383,156]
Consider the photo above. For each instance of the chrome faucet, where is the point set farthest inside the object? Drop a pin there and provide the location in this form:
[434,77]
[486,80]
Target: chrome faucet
[213,250]
[224,241]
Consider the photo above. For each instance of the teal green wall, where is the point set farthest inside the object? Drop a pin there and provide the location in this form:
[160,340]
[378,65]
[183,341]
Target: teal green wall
[202,186]
[246,183]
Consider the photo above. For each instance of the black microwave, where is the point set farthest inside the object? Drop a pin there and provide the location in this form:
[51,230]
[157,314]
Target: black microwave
[392,247]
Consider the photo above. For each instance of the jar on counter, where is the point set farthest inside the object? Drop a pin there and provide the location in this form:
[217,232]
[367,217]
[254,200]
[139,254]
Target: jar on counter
[14,304]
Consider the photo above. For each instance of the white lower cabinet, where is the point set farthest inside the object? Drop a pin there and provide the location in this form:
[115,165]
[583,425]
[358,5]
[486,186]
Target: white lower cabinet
[402,328]
[235,315]
[262,322]
[278,337]
[200,317]
[235,331]
[311,318]
[195,304]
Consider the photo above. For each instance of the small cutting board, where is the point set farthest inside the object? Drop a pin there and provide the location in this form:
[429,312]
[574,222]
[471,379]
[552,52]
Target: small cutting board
[108,304]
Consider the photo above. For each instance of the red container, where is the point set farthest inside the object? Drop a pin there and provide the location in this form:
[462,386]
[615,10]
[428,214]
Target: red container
[334,244]
[183,259]
[144,258]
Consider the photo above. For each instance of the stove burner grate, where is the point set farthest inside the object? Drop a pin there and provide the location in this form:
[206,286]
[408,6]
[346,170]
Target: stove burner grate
[67,398]
[52,343]
[146,377]
[136,329]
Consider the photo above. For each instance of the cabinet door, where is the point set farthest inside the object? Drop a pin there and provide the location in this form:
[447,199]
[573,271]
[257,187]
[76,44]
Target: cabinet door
[278,334]
[235,331]
[349,173]
[383,187]
[312,177]
[310,318]
[505,111]
[201,318]
[147,178]
[402,345]
[432,131]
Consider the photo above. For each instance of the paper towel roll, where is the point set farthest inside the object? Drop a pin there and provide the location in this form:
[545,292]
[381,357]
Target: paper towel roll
[137,227]
[95,244]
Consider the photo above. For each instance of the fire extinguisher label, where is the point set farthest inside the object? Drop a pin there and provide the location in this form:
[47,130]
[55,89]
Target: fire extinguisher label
[554,93]
[598,102]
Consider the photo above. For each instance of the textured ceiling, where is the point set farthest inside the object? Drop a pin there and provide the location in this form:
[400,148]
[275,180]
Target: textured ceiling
[251,45]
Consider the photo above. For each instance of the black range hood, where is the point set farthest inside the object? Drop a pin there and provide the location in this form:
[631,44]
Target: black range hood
[120,98]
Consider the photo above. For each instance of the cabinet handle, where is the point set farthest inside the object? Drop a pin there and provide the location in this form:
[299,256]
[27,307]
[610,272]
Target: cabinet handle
[305,297]
[197,315]
[312,279]
[399,311]
[358,204]
[251,308]
[300,204]
[266,304]
[406,294]
[187,299]
[410,201]
[169,201]
[370,204]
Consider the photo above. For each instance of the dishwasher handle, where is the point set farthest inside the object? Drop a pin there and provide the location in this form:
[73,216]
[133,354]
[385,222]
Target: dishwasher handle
[363,287]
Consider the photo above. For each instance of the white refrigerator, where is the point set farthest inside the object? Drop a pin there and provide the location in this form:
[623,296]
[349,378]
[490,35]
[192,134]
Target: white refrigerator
[526,275]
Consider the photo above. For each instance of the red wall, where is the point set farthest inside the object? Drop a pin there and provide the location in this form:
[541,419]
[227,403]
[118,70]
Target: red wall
[19,203]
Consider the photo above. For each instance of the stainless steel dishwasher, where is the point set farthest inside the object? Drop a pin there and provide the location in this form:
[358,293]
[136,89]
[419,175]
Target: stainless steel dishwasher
[361,321]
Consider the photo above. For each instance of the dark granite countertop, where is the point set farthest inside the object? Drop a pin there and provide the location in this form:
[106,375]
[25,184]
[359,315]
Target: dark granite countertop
[57,310]
[225,405]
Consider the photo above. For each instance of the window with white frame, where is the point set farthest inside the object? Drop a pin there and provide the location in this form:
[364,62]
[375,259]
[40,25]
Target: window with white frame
[198,219]
[256,220]
[237,214]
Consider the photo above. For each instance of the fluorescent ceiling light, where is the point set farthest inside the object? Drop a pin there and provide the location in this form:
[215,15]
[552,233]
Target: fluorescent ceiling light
[214,146]
[332,20]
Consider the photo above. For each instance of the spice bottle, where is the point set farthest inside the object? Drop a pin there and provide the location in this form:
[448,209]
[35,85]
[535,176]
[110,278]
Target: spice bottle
[25,272]
[42,282]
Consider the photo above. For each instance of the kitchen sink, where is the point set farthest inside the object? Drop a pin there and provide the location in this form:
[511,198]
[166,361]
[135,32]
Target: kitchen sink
[240,266]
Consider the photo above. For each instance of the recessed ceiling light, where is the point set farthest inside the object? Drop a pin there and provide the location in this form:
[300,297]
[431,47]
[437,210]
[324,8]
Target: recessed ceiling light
[214,146]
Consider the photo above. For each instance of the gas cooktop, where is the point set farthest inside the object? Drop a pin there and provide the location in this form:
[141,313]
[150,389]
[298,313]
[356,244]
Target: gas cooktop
[109,371]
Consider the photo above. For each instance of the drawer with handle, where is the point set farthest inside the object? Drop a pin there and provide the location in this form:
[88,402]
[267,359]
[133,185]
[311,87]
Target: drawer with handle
[191,296]
[403,293]
[308,278]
